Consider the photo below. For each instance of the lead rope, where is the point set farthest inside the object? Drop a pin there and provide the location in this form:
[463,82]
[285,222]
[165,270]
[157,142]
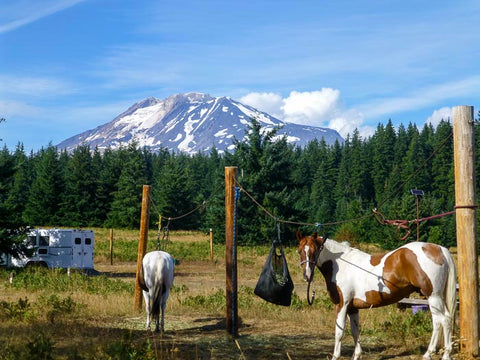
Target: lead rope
[310,301]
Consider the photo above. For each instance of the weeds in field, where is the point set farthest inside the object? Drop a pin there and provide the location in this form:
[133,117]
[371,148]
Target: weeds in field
[21,310]
[58,307]
[402,324]
[128,349]
[41,347]
[57,280]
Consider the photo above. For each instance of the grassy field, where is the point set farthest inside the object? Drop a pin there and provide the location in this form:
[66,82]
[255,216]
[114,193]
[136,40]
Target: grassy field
[46,314]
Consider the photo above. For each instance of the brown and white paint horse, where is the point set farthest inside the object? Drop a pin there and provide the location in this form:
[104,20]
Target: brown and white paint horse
[356,280]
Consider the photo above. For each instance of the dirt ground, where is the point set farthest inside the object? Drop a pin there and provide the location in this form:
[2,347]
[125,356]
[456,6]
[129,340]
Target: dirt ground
[203,336]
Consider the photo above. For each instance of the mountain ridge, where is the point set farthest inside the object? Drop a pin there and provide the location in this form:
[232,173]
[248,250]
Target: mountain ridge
[190,123]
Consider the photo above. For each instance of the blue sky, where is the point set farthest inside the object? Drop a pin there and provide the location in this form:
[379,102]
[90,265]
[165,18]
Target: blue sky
[67,66]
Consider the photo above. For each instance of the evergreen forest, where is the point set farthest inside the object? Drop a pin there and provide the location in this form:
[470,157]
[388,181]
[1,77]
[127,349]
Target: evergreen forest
[331,189]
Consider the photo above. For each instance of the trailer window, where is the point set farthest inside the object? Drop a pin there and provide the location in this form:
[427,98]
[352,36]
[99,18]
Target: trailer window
[78,241]
[88,241]
[44,240]
[32,240]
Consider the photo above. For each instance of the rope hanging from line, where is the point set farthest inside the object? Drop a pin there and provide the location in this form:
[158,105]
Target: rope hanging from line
[165,232]
[406,224]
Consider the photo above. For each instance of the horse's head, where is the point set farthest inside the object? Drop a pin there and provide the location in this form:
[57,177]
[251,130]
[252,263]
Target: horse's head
[309,249]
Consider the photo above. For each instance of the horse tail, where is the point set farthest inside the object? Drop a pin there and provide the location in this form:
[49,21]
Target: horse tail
[141,279]
[450,293]
[157,293]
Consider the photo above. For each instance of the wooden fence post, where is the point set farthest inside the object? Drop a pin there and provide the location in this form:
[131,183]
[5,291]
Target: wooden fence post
[466,218]
[111,246]
[230,252]
[211,245]
[142,243]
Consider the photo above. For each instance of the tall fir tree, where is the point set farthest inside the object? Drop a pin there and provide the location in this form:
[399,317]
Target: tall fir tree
[127,199]
[46,191]
[79,201]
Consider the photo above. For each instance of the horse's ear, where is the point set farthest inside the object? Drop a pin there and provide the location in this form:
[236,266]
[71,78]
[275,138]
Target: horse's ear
[318,239]
[299,235]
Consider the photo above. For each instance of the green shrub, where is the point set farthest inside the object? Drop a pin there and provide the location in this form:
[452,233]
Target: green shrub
[21,310]
[41,348]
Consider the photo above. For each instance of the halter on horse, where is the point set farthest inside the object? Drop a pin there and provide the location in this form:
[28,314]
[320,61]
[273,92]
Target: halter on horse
[356,280]
[156,279]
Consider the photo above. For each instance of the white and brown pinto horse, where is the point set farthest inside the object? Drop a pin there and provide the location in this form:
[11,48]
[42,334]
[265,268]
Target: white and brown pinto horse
[156,279]
[356,280]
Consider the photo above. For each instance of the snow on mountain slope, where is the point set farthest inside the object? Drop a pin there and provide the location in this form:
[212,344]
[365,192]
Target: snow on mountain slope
[190,123]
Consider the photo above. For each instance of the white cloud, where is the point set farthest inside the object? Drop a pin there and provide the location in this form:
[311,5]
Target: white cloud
[444,113]
[20,13]
[270,103]
[311,108]
[315,108]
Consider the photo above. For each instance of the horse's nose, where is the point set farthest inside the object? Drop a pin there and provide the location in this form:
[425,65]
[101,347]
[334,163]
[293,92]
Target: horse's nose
[307,274]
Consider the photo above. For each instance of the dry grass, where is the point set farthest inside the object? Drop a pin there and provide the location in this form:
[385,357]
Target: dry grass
[105,326]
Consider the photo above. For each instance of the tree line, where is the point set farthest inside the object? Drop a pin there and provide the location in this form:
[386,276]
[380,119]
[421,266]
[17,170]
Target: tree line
[328,188]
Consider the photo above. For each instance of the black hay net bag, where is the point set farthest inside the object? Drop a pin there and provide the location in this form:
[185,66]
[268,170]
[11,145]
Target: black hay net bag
[275,284]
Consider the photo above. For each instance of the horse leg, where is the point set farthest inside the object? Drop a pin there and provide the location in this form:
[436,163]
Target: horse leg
[355,328]
[446,321]
[164,305]
[339,331]
[146,297]
[447,336]
[437,309]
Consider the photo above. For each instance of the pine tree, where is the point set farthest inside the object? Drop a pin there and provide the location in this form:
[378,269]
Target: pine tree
[79,204]
[322,197]
[109,168]
[382,159]
[175,194]
[127,199]
[18,191]
[265,163]
[12,229]
[46,191]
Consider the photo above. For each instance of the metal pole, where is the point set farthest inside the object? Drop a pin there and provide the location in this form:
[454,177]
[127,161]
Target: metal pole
[418,222]
[465,204]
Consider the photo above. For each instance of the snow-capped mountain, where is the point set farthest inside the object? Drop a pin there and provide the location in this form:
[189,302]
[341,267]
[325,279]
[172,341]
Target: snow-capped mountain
[190,123]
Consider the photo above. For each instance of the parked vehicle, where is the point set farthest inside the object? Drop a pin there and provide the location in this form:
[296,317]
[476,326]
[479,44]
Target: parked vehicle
[59,248]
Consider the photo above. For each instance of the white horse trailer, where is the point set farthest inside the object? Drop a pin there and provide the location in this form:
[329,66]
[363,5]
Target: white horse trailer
[60,248]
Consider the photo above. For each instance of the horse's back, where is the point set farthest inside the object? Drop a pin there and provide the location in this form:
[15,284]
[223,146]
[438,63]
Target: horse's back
[158,265]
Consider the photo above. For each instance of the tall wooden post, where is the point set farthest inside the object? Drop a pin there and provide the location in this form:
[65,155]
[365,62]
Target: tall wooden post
[142,243]
[111,246]
[465,203]
[231,252]
[211,245]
